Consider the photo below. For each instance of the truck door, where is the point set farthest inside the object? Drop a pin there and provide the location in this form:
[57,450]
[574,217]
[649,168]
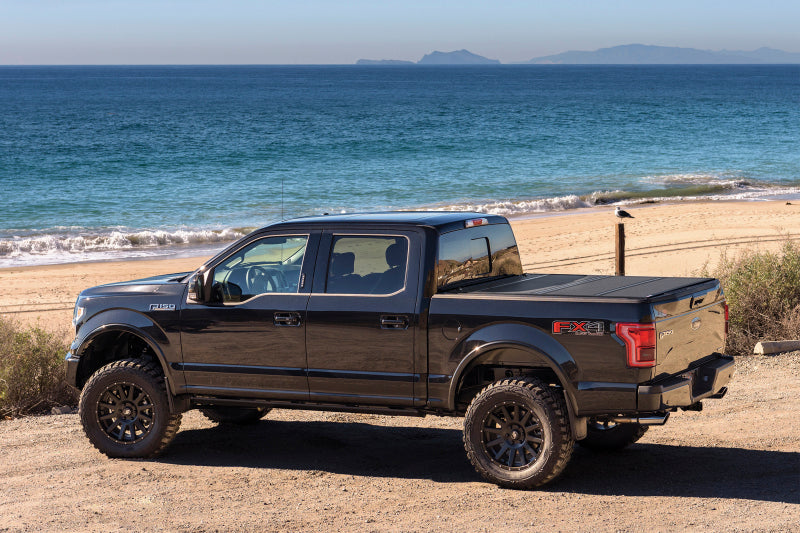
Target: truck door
[361,318]
[249,340]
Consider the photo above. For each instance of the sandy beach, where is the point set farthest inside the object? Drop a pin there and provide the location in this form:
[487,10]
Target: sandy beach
[305,470]
[662,239]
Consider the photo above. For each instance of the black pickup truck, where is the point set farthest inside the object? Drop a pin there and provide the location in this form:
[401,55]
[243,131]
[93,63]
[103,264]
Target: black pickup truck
[410,313]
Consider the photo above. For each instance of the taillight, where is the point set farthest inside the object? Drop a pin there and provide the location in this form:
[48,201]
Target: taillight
[640,343]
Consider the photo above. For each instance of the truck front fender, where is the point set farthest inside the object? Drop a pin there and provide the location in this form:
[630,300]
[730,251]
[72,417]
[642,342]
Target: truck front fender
[126,321]
[513,344]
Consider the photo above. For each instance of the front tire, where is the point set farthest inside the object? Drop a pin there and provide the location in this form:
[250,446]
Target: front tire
[517,433]
[608,436]
[125,411]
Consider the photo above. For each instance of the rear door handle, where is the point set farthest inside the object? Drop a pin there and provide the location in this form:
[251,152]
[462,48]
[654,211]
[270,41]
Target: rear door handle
[286,319]
[394,322]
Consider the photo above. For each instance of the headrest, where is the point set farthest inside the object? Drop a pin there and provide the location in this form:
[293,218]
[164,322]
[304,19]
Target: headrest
[343,264]
[396,254]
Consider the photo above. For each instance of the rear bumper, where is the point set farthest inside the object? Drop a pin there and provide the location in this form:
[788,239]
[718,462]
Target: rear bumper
[687,388]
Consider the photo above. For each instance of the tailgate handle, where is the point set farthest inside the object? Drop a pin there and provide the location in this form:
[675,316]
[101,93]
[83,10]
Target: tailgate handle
[696,301]
[394,322]
[286,319]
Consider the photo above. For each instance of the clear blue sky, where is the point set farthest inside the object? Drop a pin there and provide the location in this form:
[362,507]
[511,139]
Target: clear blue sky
[320,32]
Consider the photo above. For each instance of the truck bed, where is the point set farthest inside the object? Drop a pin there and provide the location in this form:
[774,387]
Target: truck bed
[638,288]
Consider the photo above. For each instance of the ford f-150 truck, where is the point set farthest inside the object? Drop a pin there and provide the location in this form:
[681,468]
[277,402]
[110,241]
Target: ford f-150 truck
[409,313]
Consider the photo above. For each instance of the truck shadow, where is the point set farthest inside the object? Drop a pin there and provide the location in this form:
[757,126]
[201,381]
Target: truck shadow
[437,454]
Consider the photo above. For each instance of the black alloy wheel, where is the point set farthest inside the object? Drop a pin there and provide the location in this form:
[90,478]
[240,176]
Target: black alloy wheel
[124,409]
[517,433]
[125,412]
[512,436]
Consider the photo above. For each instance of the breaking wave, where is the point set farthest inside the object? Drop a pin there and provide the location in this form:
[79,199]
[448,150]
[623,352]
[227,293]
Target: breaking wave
[678,188]
[77,244]
[60,247]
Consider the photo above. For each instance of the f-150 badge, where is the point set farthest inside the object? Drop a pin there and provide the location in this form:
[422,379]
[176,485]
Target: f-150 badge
[578,327]
[162,307]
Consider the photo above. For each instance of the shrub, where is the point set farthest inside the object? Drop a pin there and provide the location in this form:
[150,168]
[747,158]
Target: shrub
[763,292]
[32,376]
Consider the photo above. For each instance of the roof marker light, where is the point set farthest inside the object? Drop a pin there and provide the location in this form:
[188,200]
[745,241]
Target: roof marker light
[475,222]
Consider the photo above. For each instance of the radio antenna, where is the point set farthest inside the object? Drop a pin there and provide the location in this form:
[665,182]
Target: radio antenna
[282,217]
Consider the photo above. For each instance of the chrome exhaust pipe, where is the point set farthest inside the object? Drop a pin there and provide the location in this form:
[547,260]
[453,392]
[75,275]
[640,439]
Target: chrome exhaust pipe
[656,420]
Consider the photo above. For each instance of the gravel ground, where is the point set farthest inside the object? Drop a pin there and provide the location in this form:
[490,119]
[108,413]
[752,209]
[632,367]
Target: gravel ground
[733,467]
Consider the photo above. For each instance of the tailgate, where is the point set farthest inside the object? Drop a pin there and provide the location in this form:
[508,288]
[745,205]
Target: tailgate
[688,330]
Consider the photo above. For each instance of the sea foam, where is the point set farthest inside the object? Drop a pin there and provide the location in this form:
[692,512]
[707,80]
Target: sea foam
[48,247]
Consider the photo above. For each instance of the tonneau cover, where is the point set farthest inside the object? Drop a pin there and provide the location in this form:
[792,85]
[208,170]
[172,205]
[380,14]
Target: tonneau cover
[629,287]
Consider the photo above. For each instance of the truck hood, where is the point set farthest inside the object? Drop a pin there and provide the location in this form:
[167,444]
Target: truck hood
[165,284]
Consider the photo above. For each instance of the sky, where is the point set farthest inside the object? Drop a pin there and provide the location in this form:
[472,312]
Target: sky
[83,32]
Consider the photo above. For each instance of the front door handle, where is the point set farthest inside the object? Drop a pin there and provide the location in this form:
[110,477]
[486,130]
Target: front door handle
[394,322]
[286,319]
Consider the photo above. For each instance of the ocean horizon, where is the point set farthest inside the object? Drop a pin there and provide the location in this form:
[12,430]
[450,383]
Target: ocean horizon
[116,162]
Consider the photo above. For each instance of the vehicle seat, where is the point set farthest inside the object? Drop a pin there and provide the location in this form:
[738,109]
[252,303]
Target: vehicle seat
[394,278]
[341,276]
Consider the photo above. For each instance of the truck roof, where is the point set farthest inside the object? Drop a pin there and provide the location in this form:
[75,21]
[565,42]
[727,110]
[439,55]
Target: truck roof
[442,221]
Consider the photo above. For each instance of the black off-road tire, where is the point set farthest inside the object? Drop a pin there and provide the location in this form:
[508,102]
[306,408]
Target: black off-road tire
[607,436]
[125,411]
[517,433]
[235,415]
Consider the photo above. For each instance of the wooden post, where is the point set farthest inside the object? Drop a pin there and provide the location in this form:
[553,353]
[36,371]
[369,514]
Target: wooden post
[619,262]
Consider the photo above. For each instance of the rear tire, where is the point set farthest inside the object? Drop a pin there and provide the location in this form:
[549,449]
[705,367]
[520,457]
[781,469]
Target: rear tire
[517,433]
[608,436]
[235,415]
[125,411]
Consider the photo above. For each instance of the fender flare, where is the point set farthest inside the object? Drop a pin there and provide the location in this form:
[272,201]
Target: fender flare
[127,321]
[534,345]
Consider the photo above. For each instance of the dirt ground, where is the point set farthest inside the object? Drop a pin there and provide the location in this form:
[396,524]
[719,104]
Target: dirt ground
[733,467]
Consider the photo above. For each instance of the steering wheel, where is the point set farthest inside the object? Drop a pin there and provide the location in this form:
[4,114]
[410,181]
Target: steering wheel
[278,276]
[260,280]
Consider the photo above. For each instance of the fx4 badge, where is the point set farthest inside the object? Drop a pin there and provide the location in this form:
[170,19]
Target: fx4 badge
[162,307]
[578,327]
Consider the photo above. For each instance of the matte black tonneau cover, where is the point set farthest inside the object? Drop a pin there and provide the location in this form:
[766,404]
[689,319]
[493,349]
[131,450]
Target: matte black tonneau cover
[628,287]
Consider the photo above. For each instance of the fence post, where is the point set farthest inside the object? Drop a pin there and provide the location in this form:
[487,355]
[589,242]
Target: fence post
[619,261]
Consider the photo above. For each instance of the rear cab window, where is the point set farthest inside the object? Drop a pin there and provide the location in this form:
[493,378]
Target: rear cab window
[476,254]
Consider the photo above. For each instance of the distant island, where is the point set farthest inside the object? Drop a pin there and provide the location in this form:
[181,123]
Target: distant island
[640,54]
[457,57]
[627,54]
[384,62]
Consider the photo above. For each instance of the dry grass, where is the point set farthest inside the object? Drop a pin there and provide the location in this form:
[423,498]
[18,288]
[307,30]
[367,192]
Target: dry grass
[32,376]
[763,292]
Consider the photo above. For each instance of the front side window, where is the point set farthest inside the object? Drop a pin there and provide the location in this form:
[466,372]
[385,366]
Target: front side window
[268,265]
[363,264]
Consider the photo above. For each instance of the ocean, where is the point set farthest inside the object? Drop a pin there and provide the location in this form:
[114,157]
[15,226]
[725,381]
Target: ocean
[107,162]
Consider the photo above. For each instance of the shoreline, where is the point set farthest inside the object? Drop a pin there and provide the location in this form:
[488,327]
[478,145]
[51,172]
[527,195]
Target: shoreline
[664,239]
[74,244]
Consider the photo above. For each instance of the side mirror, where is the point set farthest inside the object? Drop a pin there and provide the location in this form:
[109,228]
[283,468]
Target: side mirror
[195,293]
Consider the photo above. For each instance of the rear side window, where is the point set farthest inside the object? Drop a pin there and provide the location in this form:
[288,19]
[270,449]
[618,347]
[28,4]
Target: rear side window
[362,264]
[477,253]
